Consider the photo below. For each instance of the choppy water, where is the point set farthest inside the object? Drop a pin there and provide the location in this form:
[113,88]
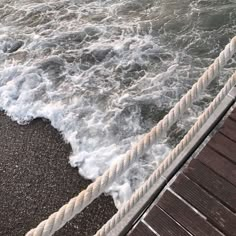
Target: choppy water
[105,71]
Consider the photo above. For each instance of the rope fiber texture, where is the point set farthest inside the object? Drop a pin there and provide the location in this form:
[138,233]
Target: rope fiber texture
[58,219]
[143,189]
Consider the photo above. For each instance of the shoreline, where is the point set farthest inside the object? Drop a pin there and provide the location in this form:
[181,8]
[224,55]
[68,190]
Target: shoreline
[36,180]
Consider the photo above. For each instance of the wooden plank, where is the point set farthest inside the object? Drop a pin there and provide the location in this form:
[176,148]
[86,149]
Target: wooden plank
[186,216]
[140,230]
[213,183]
[224,146]
[218,164]
[215,212]
[229,129]
[163,224]
[233,115]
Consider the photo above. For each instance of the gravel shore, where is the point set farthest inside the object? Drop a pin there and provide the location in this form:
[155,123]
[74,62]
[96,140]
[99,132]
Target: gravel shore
[36,180]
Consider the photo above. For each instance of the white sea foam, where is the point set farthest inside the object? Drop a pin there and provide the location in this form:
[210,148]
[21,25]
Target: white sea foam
[103,73]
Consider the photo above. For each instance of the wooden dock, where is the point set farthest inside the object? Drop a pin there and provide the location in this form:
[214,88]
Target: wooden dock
[201,200]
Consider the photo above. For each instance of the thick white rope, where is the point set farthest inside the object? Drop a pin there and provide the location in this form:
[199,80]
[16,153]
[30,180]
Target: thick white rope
[143,189]
[77,204]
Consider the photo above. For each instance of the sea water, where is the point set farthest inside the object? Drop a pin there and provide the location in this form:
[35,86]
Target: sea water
[104,72]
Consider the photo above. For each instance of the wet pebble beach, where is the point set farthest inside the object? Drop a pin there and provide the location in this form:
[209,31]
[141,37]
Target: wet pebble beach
[36,180]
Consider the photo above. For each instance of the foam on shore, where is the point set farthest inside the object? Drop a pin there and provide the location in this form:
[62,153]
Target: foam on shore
[105,72]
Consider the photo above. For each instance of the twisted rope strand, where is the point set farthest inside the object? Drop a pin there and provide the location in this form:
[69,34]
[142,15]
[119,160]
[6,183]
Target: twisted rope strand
[58,219]
[143,189]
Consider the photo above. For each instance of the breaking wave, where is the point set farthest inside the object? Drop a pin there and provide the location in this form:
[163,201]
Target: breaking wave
[105,72]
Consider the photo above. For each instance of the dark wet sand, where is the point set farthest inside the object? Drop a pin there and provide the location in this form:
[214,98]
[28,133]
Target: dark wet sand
[36,180]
